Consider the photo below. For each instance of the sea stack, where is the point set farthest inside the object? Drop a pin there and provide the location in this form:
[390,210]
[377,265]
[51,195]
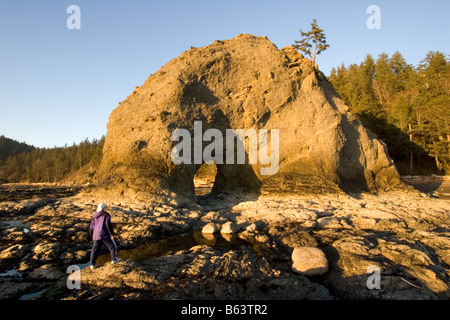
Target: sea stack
[245,83]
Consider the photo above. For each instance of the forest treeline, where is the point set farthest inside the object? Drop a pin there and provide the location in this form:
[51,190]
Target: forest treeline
[20,162]
[10,147]
[406,106]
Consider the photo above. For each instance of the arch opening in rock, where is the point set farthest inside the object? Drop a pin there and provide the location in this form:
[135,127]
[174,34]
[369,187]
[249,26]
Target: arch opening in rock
[204,179]
[224,168]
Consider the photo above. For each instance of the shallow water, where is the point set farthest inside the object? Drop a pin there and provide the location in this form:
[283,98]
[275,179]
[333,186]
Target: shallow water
[11,273]
[441,188]
[174,244]
[11,223]
[32,295]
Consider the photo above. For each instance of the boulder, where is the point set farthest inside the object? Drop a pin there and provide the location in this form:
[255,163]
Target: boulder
[309,261]
[230,227]
[210,228]
[245,83]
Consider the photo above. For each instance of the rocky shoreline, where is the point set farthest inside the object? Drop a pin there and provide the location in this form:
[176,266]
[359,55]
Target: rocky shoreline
[167,256]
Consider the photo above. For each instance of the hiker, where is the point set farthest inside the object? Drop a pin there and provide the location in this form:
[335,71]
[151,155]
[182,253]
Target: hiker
[102,232]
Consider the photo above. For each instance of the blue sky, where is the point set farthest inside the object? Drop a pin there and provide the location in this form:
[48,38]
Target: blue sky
[58,86]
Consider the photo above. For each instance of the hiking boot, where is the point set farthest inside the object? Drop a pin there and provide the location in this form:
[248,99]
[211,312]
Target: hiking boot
[116,260]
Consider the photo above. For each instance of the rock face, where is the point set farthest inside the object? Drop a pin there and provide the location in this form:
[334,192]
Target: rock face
[243,83]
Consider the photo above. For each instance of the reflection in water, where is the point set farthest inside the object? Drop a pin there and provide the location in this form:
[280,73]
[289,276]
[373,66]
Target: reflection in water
[174,244]
[441,189]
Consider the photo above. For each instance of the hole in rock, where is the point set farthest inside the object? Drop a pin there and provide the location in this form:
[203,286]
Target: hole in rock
[204,178]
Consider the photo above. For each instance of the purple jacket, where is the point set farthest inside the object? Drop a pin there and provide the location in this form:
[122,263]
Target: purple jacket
[101,226]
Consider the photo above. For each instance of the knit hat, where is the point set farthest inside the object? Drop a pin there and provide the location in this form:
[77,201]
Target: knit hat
[100,207]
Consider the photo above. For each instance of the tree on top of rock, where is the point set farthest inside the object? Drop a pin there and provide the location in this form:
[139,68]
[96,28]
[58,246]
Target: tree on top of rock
[317,37]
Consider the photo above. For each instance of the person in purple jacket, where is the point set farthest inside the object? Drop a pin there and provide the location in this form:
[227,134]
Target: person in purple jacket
[102,232]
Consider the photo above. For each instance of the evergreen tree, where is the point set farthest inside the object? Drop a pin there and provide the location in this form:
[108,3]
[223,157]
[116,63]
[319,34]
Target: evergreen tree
[384,80]
[407,107]
[51,164]
[432,108]
[10,147]
[317,37]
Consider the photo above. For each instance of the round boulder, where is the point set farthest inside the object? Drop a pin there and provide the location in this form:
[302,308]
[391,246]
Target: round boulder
[210,228]
[230,227]
[309,261]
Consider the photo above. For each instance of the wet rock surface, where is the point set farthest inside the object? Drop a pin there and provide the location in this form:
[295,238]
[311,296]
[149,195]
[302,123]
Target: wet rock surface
[166,256]
[17,192]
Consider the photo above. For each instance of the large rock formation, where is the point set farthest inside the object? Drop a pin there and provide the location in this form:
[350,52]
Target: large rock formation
[242,83]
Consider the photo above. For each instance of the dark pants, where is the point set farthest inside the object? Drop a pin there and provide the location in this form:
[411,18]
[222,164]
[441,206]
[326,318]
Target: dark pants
[97,246]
